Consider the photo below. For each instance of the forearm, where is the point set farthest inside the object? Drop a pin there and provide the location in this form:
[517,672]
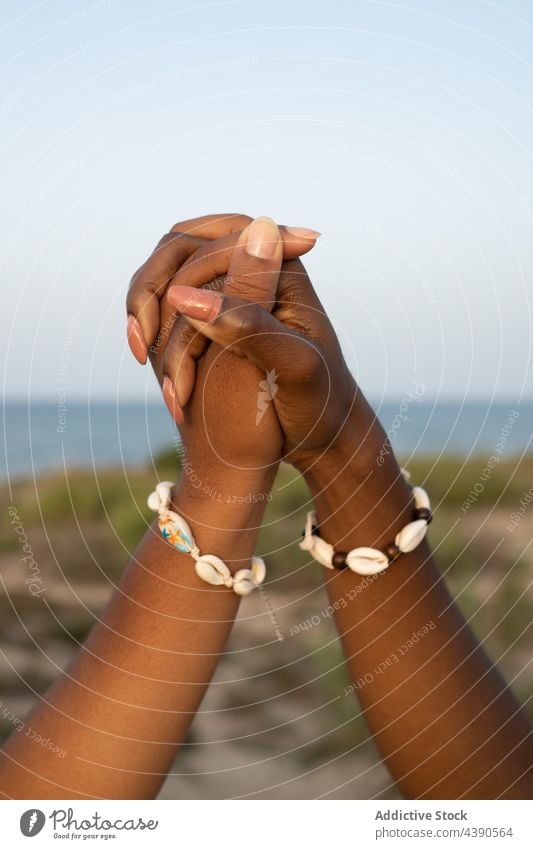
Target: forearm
[442,716]
[125,704]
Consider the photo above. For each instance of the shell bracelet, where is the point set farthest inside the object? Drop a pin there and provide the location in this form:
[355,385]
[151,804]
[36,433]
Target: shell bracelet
[370,561]
[209,567]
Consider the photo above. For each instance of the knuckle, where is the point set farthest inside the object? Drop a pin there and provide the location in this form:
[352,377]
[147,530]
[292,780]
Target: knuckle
[167,238]
[131,301]
[178,340]
[182,337]
[241,322]
[292,285]
[237,286]
[198,257]
[147,286]
[142,282]
[251,287]
[164,334]
[310,366]
[305,321]
[134,281]
[240,220]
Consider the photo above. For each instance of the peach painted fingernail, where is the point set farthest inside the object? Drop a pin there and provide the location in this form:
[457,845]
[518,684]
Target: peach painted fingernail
[171,401]
[303,232]
[195,303]
[138,346]
[262,238]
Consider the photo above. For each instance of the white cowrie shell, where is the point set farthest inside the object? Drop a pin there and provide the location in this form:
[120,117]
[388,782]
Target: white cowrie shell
[243,587]
[176,531]
[321,550]
[212,569]
[258,570]
[164,490]
[411,536]
[181,523]
[243,575]
[421,497]
[306,544]
[367,561]
[154,502]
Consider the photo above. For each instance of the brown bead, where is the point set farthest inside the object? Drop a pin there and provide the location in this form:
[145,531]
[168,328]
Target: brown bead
[422,513]
[392,551]
[315,530]
[339,560]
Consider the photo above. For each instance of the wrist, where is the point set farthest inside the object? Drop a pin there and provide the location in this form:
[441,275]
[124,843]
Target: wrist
[360,495]
[222,489]
[225,517]
[204,477]
[356,444]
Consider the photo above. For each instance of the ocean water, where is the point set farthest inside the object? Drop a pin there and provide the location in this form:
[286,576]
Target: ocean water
[37,438]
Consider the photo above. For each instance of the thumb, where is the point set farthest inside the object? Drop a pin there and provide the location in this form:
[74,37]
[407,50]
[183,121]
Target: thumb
[255,264]
[246,328]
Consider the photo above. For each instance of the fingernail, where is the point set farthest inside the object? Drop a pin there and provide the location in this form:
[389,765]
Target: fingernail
[136,341]
[303,233]
[196,303]
[171,401]
[262,238]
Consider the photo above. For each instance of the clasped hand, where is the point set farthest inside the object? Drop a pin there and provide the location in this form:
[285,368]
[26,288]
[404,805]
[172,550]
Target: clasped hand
[250,367]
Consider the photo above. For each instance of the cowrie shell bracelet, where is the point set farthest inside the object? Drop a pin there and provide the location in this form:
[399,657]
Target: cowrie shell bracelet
[209,567]
[370,561]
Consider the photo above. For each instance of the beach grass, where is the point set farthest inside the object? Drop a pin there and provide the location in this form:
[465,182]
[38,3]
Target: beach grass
[83,527]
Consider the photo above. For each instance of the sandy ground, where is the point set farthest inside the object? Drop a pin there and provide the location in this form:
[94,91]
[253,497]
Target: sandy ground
[275,723]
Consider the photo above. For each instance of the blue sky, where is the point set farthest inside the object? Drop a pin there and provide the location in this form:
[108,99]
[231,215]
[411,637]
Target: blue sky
[403,132]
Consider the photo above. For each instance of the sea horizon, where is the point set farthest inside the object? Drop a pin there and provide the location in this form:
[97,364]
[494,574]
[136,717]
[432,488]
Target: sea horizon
[44,435]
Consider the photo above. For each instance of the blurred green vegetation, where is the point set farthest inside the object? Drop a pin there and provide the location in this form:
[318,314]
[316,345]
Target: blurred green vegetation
[115,501]
[83,528]
[103,515]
